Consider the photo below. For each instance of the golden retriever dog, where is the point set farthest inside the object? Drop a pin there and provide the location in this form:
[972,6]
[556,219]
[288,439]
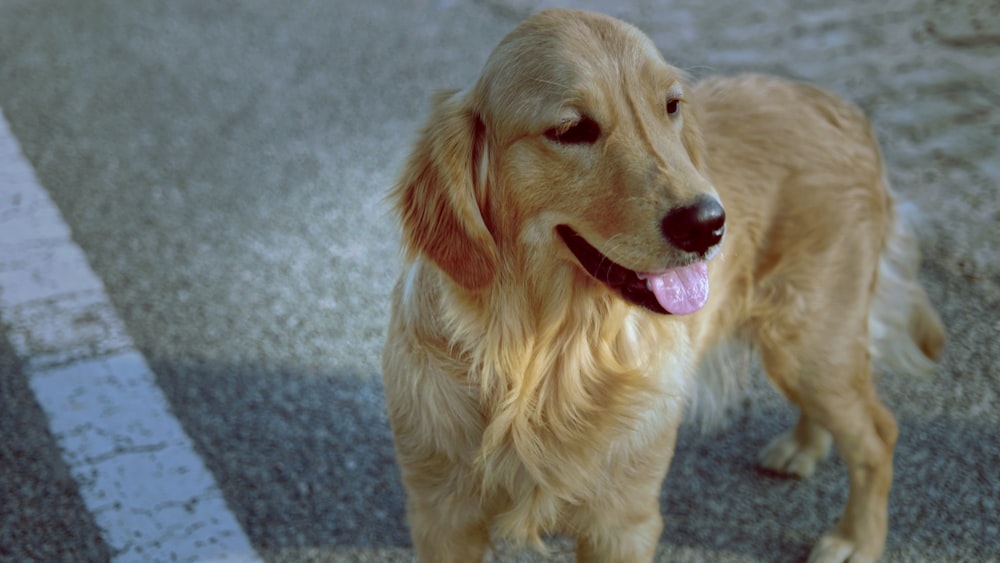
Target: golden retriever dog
[583,227]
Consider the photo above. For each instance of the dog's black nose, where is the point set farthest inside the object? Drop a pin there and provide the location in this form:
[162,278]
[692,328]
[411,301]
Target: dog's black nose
[696,228]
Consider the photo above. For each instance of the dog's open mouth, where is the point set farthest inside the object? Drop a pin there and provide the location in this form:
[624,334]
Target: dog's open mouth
[678,291]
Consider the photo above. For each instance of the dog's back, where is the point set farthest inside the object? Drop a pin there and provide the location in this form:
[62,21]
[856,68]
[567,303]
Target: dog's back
[769,136]
[800,172]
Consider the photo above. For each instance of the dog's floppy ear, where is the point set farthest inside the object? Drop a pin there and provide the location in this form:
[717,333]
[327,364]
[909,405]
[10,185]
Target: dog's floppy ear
[436,196]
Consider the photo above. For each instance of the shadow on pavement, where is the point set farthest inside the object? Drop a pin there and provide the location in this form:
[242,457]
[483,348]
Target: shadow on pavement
[305,459]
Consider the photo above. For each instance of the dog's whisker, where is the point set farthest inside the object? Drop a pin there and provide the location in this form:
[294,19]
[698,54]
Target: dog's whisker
[550,82]
[697,70]
[613,245]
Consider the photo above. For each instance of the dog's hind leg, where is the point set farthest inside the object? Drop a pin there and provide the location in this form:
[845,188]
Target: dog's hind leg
[828,376]
[797,451]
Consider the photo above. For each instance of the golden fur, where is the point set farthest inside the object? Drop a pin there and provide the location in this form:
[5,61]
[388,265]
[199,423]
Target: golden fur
[526,396]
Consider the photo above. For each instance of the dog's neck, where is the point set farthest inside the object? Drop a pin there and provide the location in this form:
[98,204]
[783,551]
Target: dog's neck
[560,363]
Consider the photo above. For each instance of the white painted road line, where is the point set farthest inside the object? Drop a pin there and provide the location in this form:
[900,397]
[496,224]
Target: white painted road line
[138,473]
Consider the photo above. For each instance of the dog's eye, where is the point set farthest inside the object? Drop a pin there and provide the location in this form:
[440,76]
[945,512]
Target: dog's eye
[673,106]
[583,132]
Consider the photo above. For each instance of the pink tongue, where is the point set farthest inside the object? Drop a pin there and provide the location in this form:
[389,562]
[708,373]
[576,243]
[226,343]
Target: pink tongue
[680,291]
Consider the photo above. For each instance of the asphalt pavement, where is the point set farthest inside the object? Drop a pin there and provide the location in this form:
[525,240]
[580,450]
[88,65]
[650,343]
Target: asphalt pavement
[222,165]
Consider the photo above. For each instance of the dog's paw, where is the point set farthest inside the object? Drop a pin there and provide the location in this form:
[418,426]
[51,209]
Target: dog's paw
[835,549]
[788,455]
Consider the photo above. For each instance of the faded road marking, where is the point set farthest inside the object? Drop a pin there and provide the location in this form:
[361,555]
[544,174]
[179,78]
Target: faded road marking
[138,473]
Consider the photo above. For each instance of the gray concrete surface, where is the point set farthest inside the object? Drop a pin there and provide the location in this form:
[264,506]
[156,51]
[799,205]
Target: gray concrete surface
[223,166]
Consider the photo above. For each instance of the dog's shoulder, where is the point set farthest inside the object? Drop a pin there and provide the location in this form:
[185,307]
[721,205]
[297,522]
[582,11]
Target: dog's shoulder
[764,106]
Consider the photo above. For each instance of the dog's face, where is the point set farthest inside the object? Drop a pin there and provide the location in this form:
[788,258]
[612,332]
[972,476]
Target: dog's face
[577,143]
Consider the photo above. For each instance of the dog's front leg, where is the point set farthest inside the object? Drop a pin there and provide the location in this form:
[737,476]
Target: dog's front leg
[449,531]
[625,524]
[621,538]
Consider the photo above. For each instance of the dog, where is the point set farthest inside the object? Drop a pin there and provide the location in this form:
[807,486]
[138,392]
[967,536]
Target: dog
[582,228]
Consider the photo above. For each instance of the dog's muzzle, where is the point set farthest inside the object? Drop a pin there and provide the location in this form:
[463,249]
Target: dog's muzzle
[676,291]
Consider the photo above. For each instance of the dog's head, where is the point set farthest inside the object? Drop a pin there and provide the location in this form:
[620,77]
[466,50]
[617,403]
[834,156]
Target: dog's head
[577,145]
